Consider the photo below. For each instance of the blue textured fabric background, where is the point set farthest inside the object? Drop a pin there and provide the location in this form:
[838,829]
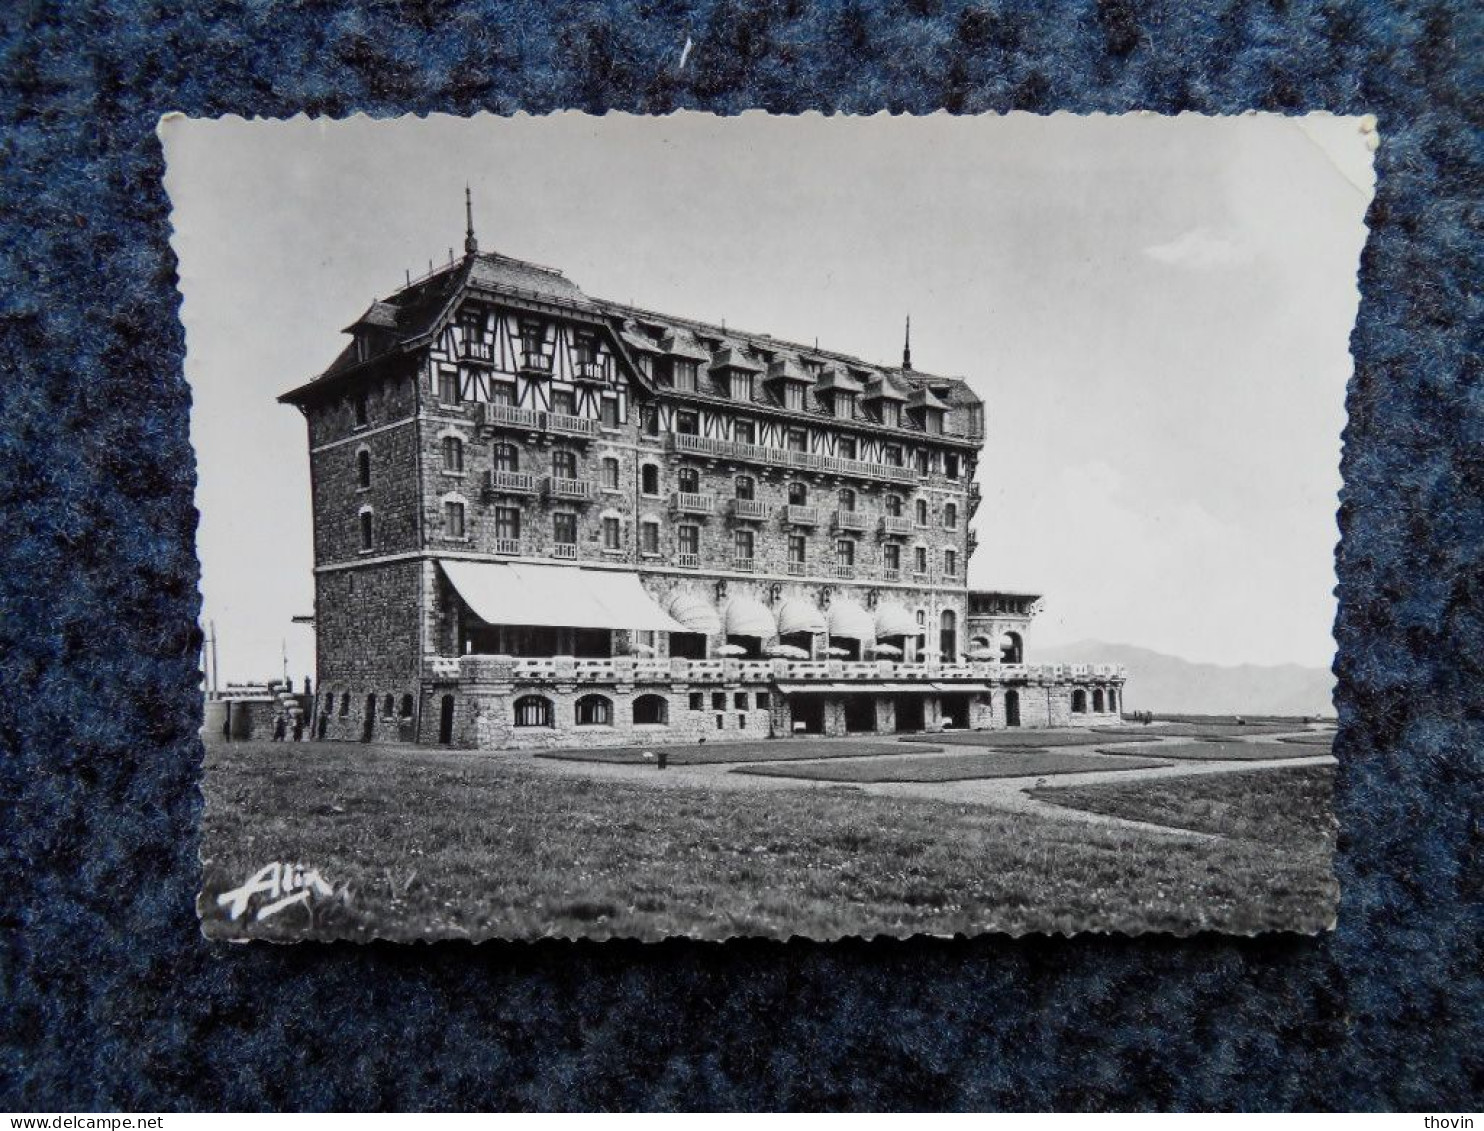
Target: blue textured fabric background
[110,997]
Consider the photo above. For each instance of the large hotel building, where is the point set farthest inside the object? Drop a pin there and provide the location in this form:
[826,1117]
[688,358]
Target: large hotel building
[542,518]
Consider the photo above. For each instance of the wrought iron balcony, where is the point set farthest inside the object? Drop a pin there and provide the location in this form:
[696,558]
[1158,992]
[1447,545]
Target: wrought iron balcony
[744,565]
[498,482]
[850,520]
[895,526]
[575,490]
[801,515]
[688,561]
[688,502]
[890,574]
[843,571]
[509,546]
[567,550]
[798,569]
[781,457]
[751,509]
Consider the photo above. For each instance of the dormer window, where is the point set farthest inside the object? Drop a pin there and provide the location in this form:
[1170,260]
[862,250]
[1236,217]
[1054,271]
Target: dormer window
[844,405]
[891,414]
[741,385]
[684,374]
[793,396]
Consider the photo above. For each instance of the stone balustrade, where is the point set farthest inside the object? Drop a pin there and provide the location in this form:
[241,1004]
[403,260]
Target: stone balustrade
[638,669]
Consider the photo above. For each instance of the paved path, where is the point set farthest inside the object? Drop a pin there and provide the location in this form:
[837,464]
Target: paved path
[1009,794]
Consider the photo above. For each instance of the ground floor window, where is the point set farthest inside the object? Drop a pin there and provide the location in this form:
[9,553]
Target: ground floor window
[1079,702]
[1097,701]
[407,706]
[594,711]
[532,711]
[651,709]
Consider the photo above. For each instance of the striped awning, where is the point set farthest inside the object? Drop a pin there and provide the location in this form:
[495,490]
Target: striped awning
[694,612]
[744,616]
[556,596]
[851,621]
[799,616]
[892,619]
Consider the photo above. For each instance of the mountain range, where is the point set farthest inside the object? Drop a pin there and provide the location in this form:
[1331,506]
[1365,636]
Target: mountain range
[1170,685]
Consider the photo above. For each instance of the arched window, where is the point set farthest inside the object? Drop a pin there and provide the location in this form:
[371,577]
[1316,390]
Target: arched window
[564,463]
[363,469]
[847,499]
[344,703]
[1097,701]
[453,454]
[594,711]
[388,705]
[948,636]
[507,457]
[330,703]
[746,487]
[649,479]
[651,709]
[407,706]
[532,711]
[689,480]
[798,494]
[1011,649]
[894,506]
[1079,702]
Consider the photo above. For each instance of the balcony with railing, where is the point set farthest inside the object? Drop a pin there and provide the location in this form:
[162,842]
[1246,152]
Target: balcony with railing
[921,577]
[509,416]
[482,353]
[891,575]
[636,670]
[591,370]
[569,490]
[782,457]
[843,571]
[895,526]
[798,569]
[850,520]
[534,363]
[498,482]
[688,561]
[801,515]
[689,502]
[753,510]
[569,425]
[744,565]
[564,550]
[508,546]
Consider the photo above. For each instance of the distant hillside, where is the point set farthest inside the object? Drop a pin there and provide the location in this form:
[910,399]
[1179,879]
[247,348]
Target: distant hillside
[1170,685]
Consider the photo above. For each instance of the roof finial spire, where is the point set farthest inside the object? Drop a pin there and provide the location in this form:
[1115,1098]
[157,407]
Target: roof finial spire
[907,346]
[471,245]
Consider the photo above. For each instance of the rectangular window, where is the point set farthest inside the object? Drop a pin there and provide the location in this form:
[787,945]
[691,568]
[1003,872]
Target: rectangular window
[845,552]
[453,519]
[610,533]
[690,539]
[891,556]
[762,701]
[739,700]
[891,415]
[650,538]
[562,402]
[610,473]
[718,700]
[924,464]
[950,464]
[920,559]
[362,410]
[798,548]
[507,523]
[697,701]
[366,530]
[741,386]
[609,412]
[507,457]
[950,563]
[564,463]
[845,447]
[502,393]
[448,386]
[744,432]
[793,396]
[798,440]
[891,455]
[743,544]
[564,528]
[687,424]
[685,375]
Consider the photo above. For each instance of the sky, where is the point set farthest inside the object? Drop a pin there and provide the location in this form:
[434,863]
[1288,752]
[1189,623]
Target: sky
[1156,312]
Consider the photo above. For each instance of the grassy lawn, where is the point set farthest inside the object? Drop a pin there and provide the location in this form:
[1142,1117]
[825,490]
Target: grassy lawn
[709,753]
[1326,740]
[1199,730]
[1296,721]
[1288,809]
[950,767]
[1018,739]
[421,843]
[1215,750]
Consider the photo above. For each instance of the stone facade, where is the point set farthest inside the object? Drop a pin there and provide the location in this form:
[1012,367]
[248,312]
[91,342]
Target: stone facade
[493,413]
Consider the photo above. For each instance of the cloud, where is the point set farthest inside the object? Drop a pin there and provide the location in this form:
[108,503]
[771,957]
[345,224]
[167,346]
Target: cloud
[1203,249]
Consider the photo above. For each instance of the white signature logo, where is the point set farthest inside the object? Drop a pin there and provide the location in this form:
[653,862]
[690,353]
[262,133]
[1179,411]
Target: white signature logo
[282,885]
